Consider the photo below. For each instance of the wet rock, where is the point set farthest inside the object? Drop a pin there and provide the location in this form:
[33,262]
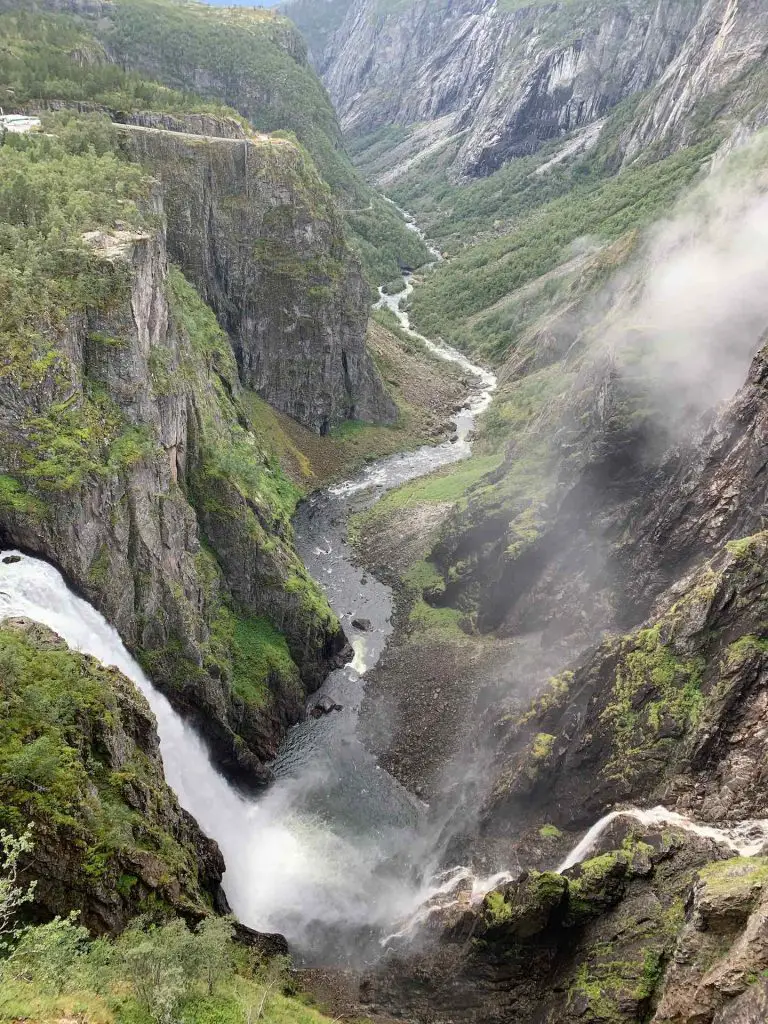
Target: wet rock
[11,559]
[364,625]
[325,706]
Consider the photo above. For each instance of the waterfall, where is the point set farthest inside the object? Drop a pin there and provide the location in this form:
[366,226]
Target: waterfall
[746,838]
[286,869]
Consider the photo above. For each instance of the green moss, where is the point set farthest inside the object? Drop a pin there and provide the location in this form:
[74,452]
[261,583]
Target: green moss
[61,711]
[652,686]
[554,696]
[423,579]
[737,875]
[14,498]
[252,655]
[437,622]
[744,648]
[524,908]
[497,910]
[740,548]
[550,832]
[541,747]
[604,986]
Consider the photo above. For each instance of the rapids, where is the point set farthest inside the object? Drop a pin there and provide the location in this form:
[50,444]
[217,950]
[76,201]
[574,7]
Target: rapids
[745,839]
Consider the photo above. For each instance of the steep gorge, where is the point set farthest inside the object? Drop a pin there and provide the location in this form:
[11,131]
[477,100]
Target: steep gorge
[580,607]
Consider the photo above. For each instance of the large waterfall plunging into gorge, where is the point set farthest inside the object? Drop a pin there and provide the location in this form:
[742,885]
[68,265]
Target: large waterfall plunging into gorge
[334,851]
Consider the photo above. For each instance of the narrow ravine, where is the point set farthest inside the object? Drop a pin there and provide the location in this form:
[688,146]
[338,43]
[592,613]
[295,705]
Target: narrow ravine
[336,855]
[332,854]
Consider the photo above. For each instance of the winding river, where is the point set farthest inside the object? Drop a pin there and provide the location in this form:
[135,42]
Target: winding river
[332,854]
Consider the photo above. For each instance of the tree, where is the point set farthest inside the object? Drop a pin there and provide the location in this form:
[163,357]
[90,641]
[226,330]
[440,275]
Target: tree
[157,962]
[48,953]
[212,950]
[12,895]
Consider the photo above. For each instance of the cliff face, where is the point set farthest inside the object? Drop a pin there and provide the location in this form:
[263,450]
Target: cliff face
[720,71]
[252,225]
[481,84]
[81,762]
[121,444]
[500,83]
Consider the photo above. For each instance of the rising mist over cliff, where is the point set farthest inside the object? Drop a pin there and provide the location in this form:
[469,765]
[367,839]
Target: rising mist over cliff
[450,612]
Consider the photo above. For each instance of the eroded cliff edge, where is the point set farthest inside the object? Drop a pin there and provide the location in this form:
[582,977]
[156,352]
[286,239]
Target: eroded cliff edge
[130,463]
[254,227]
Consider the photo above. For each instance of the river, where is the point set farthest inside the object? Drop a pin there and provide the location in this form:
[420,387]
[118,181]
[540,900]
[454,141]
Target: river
[333,854]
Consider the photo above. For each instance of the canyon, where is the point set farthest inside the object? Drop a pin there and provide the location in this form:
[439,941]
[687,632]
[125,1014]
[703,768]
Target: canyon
[441,563]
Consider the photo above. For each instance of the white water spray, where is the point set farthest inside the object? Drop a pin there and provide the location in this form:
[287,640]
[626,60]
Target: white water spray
[277,860]
[293,865]
[746,838]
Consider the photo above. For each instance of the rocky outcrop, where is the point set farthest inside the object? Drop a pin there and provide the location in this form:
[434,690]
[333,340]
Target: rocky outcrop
[500,83]
[672,713]
[81,763]
[659,928]
[254,227]
[116,450]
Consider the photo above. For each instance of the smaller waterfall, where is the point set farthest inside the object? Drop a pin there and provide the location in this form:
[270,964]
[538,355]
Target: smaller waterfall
[745,839]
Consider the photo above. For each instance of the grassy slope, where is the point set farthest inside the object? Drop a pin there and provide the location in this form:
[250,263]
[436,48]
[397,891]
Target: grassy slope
[153,973]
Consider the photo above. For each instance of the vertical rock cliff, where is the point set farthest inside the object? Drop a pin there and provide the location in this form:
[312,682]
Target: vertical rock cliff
[129,463]
[498,81]
[255,228]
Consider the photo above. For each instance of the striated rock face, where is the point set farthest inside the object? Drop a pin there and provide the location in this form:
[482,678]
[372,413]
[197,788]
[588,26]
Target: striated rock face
[502,83]
[254,227]
[148,384]
[81,762]
[719,71]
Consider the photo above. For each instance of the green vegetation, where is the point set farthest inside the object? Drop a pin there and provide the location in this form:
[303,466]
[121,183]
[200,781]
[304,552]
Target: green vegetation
[53,57]
[247,52]
[446,485]
[151,974]
[524,908]
[550,832]
[739,876]
[252,654]
[52,190]
[670,688]
[63,715]
[541,241]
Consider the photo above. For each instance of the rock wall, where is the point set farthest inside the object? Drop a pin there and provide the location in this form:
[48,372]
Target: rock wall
[254,227]
[500,83]
[658,926]
[154,391]
[99,734]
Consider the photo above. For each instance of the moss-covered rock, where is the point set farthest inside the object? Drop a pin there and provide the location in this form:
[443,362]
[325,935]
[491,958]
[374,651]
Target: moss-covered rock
[524,908]
[124,441]
[80,761]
